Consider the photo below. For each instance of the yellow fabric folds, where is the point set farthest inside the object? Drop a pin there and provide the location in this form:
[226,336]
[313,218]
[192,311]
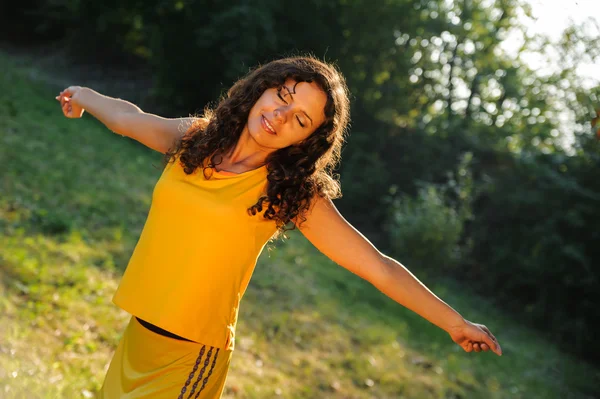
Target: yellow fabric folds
[196,253]
[148,365]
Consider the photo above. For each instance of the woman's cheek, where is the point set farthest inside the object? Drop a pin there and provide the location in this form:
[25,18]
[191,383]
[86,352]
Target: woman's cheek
[254,126]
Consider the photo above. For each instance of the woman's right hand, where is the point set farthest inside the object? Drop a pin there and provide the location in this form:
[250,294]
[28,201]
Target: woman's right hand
[474,337]
[69,102]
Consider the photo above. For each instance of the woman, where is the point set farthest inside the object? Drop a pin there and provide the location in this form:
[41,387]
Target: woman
[232,180]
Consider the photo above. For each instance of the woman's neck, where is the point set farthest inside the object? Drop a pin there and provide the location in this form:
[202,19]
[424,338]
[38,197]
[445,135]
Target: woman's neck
[245,155]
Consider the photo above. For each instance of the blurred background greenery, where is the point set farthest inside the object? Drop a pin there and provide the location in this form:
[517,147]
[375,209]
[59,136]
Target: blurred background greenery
[466,161]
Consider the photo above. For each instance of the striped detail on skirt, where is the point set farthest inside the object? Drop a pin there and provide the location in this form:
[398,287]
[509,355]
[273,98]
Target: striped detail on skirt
[149,365]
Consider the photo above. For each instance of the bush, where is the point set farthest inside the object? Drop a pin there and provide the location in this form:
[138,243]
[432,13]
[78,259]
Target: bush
[424,231]
[428,230]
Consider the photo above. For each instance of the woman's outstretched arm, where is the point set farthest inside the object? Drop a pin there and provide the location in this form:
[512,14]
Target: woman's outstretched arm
[123,117]
[327,230]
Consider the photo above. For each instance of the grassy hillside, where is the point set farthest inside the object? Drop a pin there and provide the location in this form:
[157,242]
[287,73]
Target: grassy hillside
[73,200]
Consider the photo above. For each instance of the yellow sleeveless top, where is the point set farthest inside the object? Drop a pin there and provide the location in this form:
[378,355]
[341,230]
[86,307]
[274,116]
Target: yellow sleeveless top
[196,253]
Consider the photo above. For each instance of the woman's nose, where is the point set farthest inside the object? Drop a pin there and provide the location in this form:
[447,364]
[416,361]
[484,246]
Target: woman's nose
[279,115]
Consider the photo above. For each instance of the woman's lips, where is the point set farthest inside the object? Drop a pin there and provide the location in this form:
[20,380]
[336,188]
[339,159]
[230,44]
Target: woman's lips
[267,126]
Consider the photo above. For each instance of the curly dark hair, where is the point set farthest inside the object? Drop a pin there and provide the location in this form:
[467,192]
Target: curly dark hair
[295,173]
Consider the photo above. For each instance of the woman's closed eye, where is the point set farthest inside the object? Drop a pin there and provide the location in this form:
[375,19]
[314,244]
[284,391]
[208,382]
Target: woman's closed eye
[280,96]
[285,102]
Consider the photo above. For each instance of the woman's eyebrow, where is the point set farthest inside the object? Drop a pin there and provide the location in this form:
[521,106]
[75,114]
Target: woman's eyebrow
[293,91]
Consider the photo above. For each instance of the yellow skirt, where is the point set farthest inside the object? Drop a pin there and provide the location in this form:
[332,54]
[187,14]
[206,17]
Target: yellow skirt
[149,365]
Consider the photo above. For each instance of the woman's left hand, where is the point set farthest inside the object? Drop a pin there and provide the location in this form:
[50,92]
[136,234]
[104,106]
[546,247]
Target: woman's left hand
[474,337]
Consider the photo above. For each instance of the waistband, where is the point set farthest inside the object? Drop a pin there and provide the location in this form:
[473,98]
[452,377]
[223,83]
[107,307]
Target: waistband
[160,331]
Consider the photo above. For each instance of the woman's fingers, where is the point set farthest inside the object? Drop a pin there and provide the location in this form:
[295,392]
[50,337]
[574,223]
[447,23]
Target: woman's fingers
[66,109]
[65,95]
[490,334]
[490,340]
[65,103]
[476,347]
[62,99]
[479,347]
[494,345]
[493,342]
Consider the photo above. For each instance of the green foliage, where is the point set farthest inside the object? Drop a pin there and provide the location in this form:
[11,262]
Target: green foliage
[425,231]
[208,51]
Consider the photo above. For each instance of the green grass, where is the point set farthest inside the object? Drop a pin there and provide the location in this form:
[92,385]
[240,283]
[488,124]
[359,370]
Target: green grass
[73,200]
